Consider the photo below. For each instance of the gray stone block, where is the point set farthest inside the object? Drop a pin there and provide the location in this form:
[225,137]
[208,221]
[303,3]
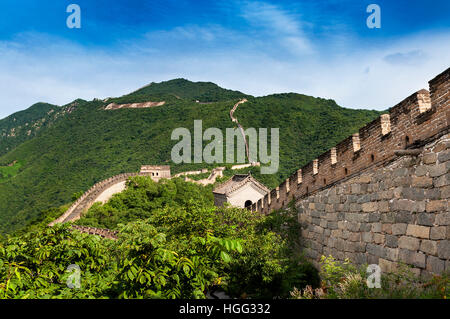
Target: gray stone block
[391,241]
[444,249]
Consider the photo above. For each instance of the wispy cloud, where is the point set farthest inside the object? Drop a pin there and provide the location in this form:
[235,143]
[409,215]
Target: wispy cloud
[278,25]
[270,51]
[414,57]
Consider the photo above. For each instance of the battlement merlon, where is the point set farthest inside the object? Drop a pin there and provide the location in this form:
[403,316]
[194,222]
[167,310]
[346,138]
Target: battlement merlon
[421,116]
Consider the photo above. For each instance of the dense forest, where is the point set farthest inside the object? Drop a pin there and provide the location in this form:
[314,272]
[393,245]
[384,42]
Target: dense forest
[86,143]
[173,242]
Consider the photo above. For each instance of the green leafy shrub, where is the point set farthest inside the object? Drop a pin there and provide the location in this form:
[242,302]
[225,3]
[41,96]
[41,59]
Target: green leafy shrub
[342,280]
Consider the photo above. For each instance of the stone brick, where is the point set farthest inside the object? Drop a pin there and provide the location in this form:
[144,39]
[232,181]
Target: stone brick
[418,231]
[392,254]
[439,232]
[320,206]
[376,250]
[363,199]
[367,237]
[356,189]
[421,181]
[342,225]
[443,219]
[421,170]
[419,260]
[399,172]
[425,219]
[386,265]
[360,247]
[386,228]
[433,193]
[416,194]
[429,247]
[410,243]
[388,218]
[376,227]
[349,246]
[405,205]
[445,192]
[353,226]
[345,234]
[340,244]
[336,233]
[444,156]
[438,170]
[391,241]
[383,206]
[435,265]
[354,237]
[442,181]
[412,258]
[360,258]
[378,238]
[404,217]
[441,146]
[444,249]
[399,229]
[370,207]
[365,179]
[374,217]
[429,158]
[436,205]
[332,225]
[371,259]
[365,227]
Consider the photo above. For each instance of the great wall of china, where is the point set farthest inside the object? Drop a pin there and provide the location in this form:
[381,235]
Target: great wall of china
[378,197]
[104,190]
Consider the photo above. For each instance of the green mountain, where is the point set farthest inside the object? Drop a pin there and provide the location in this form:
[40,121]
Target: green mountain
[88,143]
[24,125]
[186,90]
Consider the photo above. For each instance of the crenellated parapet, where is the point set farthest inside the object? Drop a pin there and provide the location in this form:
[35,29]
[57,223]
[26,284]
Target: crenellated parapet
[88,198]
[409,124]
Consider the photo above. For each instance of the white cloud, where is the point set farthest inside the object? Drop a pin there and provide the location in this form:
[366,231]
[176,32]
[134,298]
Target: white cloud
[280,26]
[408,58]
[35,67]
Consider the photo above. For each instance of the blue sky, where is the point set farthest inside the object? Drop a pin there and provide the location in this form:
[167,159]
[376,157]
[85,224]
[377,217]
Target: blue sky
[319,48]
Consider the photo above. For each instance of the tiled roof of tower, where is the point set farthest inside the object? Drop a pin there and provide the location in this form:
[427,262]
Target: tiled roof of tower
[236,182]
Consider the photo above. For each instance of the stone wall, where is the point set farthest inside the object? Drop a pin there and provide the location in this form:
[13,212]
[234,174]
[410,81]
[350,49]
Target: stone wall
[88,198]
[361,200]
[397,212]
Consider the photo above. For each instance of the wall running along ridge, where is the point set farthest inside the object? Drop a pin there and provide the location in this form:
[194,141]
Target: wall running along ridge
[381,195]
[83,203]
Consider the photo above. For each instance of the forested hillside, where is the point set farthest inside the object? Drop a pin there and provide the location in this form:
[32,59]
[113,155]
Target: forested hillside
[89,143]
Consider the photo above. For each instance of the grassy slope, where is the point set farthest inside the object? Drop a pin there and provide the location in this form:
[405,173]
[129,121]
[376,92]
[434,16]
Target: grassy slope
[91,144]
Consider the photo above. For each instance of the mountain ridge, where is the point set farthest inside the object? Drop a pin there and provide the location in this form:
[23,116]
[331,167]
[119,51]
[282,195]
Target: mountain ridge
[88,144]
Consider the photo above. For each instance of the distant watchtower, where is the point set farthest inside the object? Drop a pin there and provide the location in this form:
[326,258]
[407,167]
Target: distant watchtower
[156,172]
